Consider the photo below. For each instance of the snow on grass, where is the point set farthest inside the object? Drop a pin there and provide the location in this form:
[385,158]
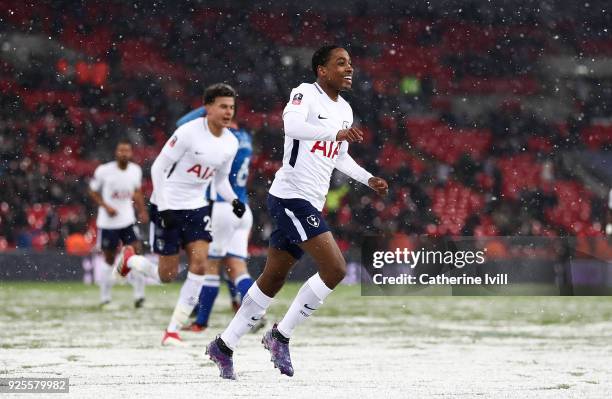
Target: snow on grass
[353,347]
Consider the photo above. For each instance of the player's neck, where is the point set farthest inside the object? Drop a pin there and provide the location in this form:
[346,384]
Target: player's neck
[214,130]
[331,93]
[121,165]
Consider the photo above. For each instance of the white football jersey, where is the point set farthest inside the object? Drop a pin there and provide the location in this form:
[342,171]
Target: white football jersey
[308,164]
[198,155]
[116,186]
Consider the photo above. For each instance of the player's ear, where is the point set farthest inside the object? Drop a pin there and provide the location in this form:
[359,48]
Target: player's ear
[321,70]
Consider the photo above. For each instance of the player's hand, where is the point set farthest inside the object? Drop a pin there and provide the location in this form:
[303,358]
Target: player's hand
[351,135]
[379,185]
[143,217]
[167,219]
[110,210]
[239,207]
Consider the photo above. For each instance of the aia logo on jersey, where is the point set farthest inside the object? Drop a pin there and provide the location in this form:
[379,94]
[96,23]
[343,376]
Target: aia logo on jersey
[172,141]
[297,99]
[313,221]
[329,149]
[201,174]
[121,195]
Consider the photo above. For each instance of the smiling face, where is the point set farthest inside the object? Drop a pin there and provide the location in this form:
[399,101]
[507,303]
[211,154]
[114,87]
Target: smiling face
[221,111]
[337,72]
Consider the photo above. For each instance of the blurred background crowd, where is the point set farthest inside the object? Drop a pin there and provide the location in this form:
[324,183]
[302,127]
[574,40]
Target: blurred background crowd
[487,118]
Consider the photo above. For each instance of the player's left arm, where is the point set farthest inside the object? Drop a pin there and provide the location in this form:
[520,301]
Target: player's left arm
[138,198]
[139,204]
[347,165]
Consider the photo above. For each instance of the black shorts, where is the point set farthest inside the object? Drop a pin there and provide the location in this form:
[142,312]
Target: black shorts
[191,225]
[295,221]
[109,238]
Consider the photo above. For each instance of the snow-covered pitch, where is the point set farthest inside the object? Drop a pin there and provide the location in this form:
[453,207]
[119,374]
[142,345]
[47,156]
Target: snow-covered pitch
[353,347]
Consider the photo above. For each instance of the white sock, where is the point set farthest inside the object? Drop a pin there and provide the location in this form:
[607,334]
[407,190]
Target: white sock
[309,298]
[144,266]
[188,298]
[137,280]
[254,305]
[106,282]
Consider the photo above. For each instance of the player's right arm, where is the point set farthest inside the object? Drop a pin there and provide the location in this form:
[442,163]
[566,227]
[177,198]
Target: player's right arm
[295,120]
[94,187]
[163,165]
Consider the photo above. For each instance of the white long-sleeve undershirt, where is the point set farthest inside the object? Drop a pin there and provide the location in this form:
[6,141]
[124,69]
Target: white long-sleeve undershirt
[347,165]
[296,127]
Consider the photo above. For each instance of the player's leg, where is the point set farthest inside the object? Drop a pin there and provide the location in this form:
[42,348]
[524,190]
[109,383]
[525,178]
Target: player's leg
[282,255]
[313,237]
[190,291]
[208,295]
[224,223]
[131,236]
[254,305]
[108,241]
[234,295]
[332,269]
[237,254]
[165,243]
[196,236]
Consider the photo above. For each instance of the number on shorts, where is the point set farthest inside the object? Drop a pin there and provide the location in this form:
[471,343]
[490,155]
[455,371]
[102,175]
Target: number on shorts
[207,223]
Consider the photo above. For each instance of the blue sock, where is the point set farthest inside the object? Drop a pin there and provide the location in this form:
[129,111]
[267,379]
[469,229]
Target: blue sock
[208,294]
[243,283]
[232,288]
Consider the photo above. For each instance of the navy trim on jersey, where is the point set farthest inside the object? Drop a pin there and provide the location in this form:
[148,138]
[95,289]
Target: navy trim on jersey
[171,170]
[318,88]
[294,152]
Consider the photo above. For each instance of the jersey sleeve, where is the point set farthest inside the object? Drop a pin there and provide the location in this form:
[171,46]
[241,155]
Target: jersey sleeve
[176,146]
[222,184]
[295,117]
[347,165]
[300,100]
[95,184]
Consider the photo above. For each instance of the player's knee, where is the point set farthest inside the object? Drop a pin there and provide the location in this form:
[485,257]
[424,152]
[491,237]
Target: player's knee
[109,258]
[167,276]
[197,264]
[334,272]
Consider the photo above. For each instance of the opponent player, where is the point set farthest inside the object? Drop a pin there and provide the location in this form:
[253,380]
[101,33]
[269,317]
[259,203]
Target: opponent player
[318,129]
[230,233]
[115,188]
[198,152]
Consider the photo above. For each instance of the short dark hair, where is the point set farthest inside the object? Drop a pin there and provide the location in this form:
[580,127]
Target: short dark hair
[321,56]
[124,140]
[218,90]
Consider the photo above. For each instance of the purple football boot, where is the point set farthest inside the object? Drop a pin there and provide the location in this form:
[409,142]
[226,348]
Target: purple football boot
[219,353]
[278,345]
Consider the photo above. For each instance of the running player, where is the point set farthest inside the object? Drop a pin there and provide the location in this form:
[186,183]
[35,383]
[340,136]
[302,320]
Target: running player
[115,188]
[198,152]
[318,129]
[230,233]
